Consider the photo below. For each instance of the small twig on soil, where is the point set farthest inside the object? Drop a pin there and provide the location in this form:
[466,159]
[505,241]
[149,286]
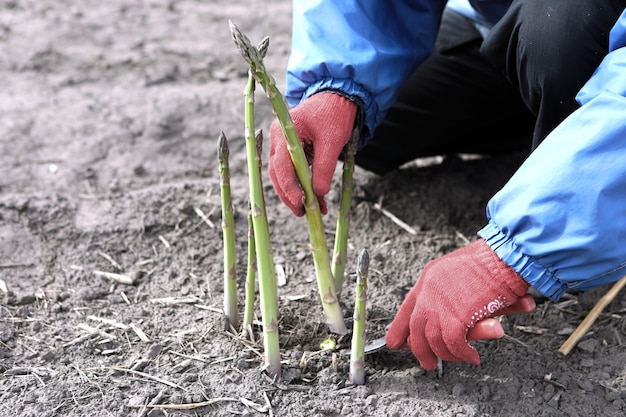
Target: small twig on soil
[29,370]
[204,217]
[256,407]
[142,336]
[593,315]
[6,266]
[157,398]
[519,342]
[222,360]
[175,300]
[393,218]
[190,406]
[268,404]
[109,322]
[209,308]
[462,237]
[165,242]
[182,355]
[141,374]
[92,332]
[111,260]
[119,278]
[548,378]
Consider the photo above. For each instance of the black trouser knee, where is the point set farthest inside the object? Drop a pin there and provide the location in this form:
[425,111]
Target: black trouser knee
[548,49]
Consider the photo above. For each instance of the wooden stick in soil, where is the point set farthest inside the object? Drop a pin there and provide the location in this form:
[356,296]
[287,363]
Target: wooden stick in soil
[325,280]
[340,251]
[357,353]
[228,233]
[593,315]
[265,262]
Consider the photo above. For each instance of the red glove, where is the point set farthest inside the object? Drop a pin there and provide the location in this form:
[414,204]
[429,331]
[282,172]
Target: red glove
[324,123]
[453,293]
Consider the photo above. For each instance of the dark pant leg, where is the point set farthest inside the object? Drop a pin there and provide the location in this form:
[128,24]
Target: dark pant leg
[549,49]
[455,102]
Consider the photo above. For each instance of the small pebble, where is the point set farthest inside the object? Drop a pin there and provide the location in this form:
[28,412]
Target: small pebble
[136,401]
[371,401]
[156,412]
[585,385]
[587,363]
[458,390]
[588,345]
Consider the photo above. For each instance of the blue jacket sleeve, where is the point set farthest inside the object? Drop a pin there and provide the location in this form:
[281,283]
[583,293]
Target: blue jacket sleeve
[560,222]
[363,49]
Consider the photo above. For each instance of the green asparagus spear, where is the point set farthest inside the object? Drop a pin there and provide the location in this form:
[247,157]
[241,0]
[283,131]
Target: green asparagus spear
[325,280]
[228,232]
[357,354]
[248,315]
[265,261]
[340,252]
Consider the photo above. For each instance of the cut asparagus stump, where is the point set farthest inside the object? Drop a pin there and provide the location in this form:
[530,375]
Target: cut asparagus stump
[325,280]
[357,353]
[228,233]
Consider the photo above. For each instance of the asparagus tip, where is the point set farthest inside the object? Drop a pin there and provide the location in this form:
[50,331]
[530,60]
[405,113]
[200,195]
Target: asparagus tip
[222,147]
[263,45]
[363,263]
[249,52]
[258,141]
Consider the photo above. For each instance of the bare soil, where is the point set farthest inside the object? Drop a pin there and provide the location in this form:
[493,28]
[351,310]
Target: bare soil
[109,116]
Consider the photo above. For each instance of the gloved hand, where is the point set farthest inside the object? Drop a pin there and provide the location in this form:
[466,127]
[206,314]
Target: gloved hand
[324,123]
[453,293]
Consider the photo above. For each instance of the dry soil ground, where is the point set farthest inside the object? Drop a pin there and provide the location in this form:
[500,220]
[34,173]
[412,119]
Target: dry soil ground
[109,115]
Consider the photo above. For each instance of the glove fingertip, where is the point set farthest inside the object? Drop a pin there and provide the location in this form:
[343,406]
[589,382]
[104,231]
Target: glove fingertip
[393,340]
[473,359]
[323,206]
[295,202]
[428,364]
[470,355]
[422,350]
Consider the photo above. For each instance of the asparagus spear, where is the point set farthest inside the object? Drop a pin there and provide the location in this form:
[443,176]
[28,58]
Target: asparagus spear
[228,232]
[325,280]
[252,268]
[265,261]
[357,353]
[340,252]
[248,312]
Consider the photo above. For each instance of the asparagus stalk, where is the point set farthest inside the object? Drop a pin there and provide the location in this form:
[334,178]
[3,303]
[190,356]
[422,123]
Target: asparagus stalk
[252,268]
[325,280]
[357,353]
[340,252]
[265,261]
[228,232]
[251,272]
[248,312]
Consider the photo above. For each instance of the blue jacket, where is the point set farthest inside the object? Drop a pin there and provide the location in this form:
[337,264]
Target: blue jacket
[560,222]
